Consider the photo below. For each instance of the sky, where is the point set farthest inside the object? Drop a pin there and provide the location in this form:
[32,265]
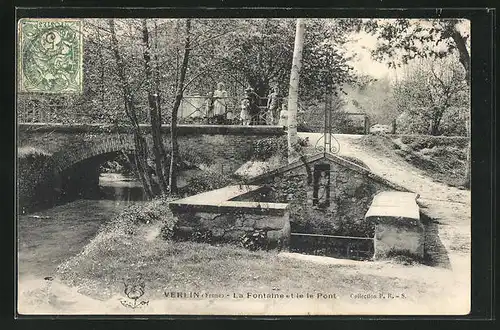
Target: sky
[361,46]
[363,43]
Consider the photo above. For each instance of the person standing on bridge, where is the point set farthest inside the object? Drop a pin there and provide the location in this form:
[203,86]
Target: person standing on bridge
[253,105]
[273,106]
[220,103]
[245,112]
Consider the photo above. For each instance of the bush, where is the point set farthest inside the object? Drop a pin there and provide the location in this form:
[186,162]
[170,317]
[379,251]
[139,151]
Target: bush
[303,142]
[269,147]
[405,257]
[31,165]
[304,127]
[153,212]
[428,141]
[255,240]
[410,124]
[205,181]
[266,148]
[189,151]
[202,236]
[452,124]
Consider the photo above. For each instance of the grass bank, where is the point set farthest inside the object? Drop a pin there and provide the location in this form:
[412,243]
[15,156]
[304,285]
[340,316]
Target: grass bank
[133,245]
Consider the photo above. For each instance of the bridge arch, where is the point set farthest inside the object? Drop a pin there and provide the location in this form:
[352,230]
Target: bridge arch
[67,158]
[69,149]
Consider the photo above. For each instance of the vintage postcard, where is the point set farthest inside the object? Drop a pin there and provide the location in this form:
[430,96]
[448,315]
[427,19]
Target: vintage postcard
[243,166]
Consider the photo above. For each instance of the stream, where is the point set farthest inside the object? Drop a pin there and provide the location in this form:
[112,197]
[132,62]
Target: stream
[49,237]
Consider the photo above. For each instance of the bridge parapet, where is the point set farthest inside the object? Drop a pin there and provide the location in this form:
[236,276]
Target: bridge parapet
[263,130]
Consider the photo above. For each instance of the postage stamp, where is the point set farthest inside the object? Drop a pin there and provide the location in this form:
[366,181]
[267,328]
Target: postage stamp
[50,56]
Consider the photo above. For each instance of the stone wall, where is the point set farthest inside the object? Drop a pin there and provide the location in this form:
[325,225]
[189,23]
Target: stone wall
[393,239]
[226,146]
[231,215]
[351,194]
[231,225]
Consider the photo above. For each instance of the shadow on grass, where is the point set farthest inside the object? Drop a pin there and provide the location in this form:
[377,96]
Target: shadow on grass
[436,254]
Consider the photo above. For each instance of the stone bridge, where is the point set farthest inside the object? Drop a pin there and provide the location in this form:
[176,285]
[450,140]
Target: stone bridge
[75,152]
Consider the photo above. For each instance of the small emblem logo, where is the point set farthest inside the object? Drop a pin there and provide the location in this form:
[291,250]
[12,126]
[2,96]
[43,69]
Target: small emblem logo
[134,290]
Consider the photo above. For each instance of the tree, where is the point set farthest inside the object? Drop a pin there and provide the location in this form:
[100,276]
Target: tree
[260,50]
[371,96]
[293,90]
[180,90]
[141,147]
[429,91]
[401,40]
[152,82]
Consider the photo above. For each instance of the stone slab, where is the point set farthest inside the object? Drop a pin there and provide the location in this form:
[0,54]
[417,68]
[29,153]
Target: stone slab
[394,204]
[218,195]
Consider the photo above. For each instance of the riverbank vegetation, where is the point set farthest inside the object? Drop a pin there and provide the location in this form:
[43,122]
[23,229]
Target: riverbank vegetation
[30,165]
[137,244]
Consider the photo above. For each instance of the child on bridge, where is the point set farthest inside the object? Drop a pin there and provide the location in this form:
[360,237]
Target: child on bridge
[220,103]
[245,112]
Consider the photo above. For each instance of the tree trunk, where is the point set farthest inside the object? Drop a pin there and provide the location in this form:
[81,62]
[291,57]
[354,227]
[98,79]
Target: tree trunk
[157,83]
[101,63]
[462,51]
[467,183]
[154,113]
[293,91]
[141,148]
[465,60]
[178,98]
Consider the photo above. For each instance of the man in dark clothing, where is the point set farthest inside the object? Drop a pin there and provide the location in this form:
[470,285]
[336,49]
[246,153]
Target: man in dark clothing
[253,106]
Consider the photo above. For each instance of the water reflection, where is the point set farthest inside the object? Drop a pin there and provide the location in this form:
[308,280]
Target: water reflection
[50,235]
[120,187]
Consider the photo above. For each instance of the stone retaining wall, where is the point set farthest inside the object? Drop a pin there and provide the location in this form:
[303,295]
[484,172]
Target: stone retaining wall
[229,221]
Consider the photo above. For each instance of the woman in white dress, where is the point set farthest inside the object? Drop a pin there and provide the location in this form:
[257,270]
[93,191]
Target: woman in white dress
[220,99]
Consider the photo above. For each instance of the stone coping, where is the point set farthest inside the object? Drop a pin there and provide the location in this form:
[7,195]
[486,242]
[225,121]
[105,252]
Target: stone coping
[218,195]
[232,207]
[332,158]
[219,200]
[264,130]
[394,204]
